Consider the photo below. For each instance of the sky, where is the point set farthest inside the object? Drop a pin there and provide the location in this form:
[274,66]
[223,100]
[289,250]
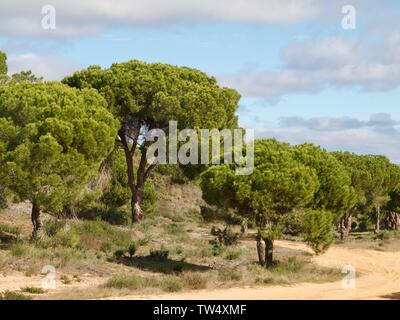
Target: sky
[302,76]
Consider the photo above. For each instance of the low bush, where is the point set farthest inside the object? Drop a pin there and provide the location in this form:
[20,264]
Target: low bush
[195,281]
[160,255]
[224,236]
[33,290]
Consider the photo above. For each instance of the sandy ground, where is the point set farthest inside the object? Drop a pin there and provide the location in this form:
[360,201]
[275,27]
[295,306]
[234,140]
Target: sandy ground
[378,277]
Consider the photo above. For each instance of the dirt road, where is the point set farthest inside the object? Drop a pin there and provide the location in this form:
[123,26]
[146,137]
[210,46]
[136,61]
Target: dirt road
[378,278]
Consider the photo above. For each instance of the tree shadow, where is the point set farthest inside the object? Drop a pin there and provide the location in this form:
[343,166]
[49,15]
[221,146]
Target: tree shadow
[166,266]
[392,296]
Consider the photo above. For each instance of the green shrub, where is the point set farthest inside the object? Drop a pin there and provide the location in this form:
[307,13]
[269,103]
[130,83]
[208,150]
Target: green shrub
[224,237]
[104,232]
[125,281]
[132,249]
[119,254]
[12,295]
[115,216]
[9,234]
[171,284]
[20,250]
[67,237]
[229,275]
[160,255]
[33,290]
[318,230]
[52,226]
[291,265]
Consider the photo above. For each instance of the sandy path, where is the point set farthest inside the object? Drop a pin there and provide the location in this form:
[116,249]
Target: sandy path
[380,276]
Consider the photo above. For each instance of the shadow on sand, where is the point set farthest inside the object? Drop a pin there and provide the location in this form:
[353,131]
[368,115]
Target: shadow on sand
[166,266]
[392,296]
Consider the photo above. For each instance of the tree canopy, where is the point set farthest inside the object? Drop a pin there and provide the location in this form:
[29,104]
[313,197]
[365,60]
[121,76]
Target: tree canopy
[52,139]
[146,96]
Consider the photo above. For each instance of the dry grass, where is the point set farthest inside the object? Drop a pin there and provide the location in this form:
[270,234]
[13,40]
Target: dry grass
[176,226]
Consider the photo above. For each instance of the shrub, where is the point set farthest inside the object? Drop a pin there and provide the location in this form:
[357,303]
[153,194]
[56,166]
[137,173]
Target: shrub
[229,275]
[115,216]
[52,226]
[104,232]
[195,281]
[123,281]
[224,237]
[318,230]
[160,255]
[20,249]
[9,234]
[132,249]
[119,254]
[67,237]
[33,290]
[171,284]
[12,295]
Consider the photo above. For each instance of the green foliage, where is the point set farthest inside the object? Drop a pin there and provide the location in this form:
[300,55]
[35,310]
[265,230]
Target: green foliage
[33,290]
[13,295]
[117,192]
[132,249]
[3,64]
[334,192]
[52,139]
[115,216]
[159,255]
[224,236]
[125,281]
[9,234]
[318,230]
[53,226]
[86,235]
[143,96]
[24,76]
[159,93]
[278,184]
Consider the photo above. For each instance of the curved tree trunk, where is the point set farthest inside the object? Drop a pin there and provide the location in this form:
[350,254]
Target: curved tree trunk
[269,252]
[36,221]
[260,250]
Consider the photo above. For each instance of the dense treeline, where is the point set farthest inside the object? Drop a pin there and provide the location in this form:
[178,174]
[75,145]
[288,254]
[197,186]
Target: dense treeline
[71,147]
[327,189]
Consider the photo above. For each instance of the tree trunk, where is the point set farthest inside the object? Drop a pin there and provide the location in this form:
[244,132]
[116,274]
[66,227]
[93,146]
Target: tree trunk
[269,252]
[137,212]
[36,221]
[378,219]
[260,250]
[345,227]
[394,220]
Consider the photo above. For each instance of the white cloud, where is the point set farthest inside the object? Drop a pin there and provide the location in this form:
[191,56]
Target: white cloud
[379,135]
[309,66]
[77,18]
[48,67]
[362,140]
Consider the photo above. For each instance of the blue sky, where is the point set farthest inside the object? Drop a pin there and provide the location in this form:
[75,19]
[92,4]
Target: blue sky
[302,76]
